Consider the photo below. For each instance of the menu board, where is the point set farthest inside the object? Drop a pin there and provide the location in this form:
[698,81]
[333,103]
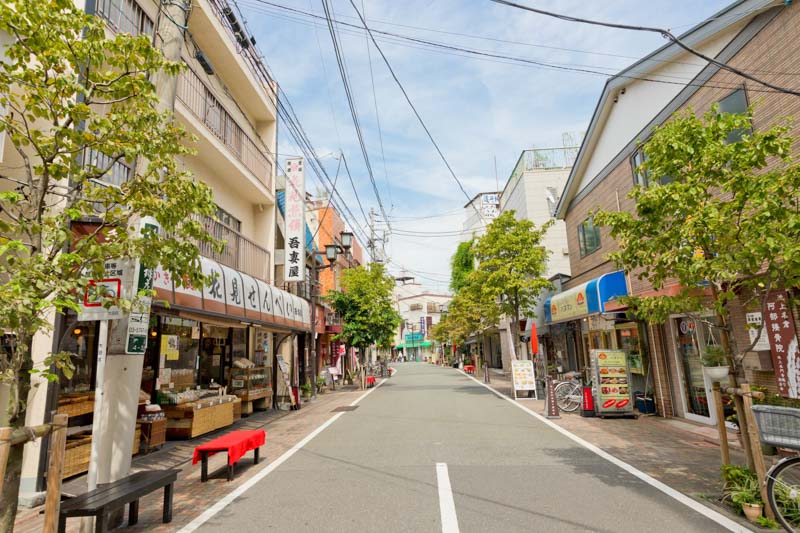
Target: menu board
[524,378]
[613,382]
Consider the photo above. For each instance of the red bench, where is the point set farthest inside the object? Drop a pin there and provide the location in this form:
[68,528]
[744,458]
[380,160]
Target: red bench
[469,369]
[236,443]
[370,381]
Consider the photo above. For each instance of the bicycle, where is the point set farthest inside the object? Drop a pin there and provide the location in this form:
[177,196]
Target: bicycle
[569,393]
[780,426]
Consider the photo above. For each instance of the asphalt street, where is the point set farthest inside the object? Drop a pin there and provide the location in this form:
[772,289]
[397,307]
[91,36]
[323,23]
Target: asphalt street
[375,469]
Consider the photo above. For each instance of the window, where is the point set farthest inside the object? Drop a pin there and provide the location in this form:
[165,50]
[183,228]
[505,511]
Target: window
[113,172]
[125,16]
[228,219]
[432,308]
[735,104]
[641,176]
[415,307]
[588,237]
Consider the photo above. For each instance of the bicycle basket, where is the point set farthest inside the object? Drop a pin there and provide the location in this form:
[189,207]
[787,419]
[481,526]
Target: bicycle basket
[778,426]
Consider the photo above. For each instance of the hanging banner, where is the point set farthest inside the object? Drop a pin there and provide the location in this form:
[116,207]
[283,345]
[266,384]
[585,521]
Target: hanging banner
[779,327]
[295,250]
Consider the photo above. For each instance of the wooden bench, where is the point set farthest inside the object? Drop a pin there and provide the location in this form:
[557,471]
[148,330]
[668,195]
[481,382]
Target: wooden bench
[236,443]
[110,497]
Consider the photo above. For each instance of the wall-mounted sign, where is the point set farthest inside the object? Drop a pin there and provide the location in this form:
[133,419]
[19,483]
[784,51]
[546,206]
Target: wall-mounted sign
[295,250]
[779,326]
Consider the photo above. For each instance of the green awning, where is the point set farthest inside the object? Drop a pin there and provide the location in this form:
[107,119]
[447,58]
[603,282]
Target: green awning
[423,344]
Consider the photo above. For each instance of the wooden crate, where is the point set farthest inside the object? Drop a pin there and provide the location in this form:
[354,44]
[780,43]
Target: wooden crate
[76,454]
[154,434]
[187,422]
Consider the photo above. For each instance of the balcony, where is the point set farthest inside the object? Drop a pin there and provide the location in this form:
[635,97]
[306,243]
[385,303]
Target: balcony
[201,102]
[333,323]
[298,288]
[239,253]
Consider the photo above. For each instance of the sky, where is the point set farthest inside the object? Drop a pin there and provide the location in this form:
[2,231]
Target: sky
[482,112]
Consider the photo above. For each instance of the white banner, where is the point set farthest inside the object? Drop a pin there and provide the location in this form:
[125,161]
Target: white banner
[295,215]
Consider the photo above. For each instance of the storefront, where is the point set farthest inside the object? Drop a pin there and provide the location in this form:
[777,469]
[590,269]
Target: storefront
[210,356]
[579,321]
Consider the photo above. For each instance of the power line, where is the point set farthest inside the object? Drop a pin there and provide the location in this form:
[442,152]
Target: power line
[460,51]
[377,115]
[352,183]
[414,109]
[351,104]
[663,32]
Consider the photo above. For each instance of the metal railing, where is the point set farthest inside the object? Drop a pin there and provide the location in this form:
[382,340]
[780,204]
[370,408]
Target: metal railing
[195,95]
[239,252]
[298,288]
[545,158]
[333,319]
[113,172]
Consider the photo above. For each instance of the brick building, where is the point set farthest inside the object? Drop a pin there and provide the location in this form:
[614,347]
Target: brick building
[756,36]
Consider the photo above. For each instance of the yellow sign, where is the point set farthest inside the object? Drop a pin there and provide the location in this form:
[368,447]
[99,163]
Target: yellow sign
[569,304]
[170,347]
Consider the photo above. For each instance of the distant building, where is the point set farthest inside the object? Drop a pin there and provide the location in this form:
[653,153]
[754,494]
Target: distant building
[480,211]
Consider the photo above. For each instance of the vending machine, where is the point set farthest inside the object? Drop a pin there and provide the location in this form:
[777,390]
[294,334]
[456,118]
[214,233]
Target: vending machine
[612,383]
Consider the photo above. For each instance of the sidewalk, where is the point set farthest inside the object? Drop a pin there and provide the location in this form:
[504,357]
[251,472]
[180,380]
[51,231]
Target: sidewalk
[191,497]
[682,454]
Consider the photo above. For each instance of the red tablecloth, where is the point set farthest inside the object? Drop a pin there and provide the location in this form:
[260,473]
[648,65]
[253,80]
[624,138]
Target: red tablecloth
[236,443]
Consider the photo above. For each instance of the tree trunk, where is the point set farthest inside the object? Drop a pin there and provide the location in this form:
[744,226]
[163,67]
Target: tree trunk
[9,498]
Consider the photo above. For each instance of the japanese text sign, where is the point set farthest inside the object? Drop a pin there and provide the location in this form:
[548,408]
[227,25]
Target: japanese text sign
[295,256]
[779,326]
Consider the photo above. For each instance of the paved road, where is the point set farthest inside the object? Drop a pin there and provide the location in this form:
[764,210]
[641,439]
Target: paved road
[374,469]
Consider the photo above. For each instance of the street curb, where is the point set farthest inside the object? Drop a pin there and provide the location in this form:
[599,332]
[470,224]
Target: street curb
[693,504]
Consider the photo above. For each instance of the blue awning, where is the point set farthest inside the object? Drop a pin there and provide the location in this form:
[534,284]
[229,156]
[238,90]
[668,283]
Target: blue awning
[586,299]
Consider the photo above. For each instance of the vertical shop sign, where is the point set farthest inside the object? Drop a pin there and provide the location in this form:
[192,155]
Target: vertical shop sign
[779,326]
[294,262]
[139,318]
[422,325]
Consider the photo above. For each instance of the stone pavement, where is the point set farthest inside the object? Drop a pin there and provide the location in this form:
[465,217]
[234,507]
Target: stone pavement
[284,429]
[680,453]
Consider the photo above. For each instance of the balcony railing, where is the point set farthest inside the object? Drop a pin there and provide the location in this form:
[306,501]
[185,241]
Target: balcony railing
[333,319]
[204,105]
[125,16]
[239,253]
[299,288]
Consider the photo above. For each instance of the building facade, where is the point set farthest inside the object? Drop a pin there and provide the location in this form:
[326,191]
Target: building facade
[756,36]
[197,340]
[420,310]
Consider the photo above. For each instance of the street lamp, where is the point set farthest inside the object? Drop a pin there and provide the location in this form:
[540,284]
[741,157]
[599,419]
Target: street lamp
[331,251]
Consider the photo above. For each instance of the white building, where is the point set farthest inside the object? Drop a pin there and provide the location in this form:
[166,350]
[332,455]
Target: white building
[480,211]
[532,192]
[420,311]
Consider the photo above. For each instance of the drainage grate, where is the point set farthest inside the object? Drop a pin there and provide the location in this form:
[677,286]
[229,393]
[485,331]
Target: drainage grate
[345,408]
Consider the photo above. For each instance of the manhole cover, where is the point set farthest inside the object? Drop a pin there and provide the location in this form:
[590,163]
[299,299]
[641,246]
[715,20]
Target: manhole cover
[345,408]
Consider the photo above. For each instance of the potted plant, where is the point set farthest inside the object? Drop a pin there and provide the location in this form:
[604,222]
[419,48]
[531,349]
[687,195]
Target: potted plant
[741,488]
[715,363]
[306,389]
[320,384]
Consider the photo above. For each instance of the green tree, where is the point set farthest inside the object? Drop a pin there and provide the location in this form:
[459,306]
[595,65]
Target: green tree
[76,105]
[366,307]
[461,264]
[727,219]
[511,266]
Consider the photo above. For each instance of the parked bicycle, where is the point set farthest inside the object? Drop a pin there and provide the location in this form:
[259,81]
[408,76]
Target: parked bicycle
[569,393]
[780,427]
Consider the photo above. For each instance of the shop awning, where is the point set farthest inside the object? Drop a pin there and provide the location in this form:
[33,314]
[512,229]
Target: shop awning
[586,299]
[421,344]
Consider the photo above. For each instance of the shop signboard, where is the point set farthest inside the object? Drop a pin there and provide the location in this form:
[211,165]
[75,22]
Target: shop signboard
[523,376]
[118,275]
[252,300]
[295,252]
[613,382]
[214,290]
[779,326]
[569,304]
[139,317]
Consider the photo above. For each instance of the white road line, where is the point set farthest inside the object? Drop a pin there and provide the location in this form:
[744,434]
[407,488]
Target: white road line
[228,499]
[719,518]
[447,507]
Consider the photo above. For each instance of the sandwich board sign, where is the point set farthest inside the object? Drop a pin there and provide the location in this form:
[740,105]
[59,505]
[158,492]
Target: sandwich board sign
[523,376]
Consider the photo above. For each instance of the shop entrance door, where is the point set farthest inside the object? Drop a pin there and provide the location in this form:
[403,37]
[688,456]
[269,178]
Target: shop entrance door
[698,400]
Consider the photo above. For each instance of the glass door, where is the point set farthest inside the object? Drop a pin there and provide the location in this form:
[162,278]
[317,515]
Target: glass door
[695,389]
